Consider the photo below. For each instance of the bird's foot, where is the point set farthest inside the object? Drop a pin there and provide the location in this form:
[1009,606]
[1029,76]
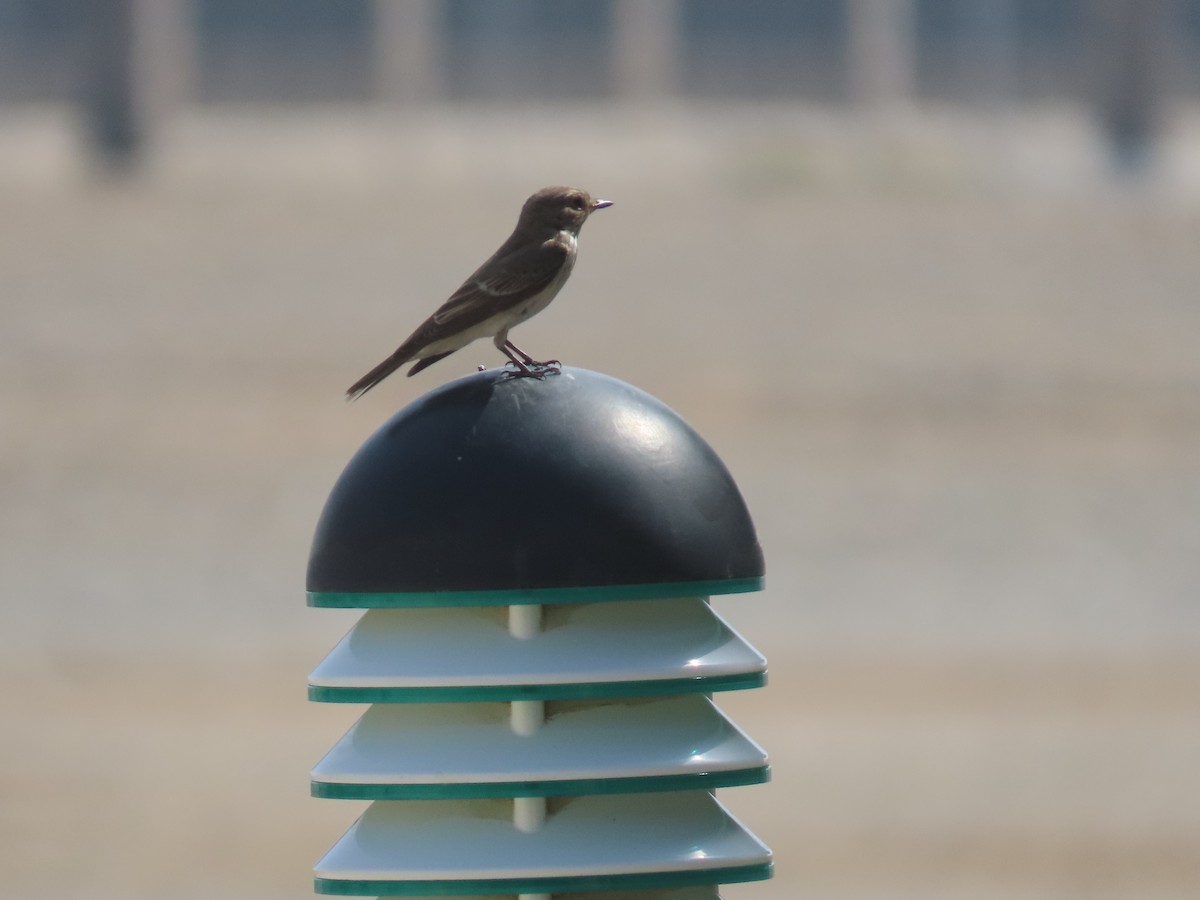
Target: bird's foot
[533,369]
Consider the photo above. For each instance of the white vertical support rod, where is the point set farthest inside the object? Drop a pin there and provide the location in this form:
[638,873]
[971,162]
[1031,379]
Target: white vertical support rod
[526,717]
[525,623]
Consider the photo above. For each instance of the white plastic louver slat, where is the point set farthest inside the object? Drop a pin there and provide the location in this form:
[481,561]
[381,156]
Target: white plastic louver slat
[626,641]
[464,841]
[462,743]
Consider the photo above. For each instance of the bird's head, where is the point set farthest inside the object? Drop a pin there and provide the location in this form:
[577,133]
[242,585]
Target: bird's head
[560,208]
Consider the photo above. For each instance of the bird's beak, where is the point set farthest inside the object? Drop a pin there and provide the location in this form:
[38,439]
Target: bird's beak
[600,204]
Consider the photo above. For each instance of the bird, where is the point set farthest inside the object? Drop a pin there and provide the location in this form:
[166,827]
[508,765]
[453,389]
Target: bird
[518,281]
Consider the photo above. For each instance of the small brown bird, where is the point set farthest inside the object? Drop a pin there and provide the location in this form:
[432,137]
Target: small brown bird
[518,281]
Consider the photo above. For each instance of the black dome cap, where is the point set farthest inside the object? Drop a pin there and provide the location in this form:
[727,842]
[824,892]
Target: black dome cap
[498,490]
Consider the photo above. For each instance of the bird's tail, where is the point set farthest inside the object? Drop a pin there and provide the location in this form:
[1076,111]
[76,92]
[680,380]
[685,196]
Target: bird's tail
[376,375]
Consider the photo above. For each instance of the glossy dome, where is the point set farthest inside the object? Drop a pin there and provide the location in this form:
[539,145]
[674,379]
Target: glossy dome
[495,489]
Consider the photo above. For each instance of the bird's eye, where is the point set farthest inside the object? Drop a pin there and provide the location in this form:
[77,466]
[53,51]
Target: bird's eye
[577,202]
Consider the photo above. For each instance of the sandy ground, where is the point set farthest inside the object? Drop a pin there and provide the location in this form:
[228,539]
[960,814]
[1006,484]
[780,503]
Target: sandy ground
[955,375]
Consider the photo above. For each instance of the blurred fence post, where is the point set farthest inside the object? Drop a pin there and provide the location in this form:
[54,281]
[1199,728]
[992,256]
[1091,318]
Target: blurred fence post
[882,52]
[1129,43]
[990,53]
[138,65]
[408,51]
[646,49]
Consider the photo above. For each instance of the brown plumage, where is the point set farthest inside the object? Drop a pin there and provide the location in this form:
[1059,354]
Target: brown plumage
[518,281]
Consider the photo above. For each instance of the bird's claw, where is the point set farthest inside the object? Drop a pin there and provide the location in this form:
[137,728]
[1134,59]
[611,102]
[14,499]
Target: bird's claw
[534,369]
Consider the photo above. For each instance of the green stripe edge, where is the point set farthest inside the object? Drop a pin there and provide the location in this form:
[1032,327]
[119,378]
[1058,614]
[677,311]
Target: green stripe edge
[701,781]
[562,884]
[588,594]
[508,692]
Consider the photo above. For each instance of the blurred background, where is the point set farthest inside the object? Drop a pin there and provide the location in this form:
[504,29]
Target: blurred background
[925,274]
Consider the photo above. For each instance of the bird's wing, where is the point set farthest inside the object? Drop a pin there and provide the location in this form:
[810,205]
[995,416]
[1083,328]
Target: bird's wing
[503,283]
